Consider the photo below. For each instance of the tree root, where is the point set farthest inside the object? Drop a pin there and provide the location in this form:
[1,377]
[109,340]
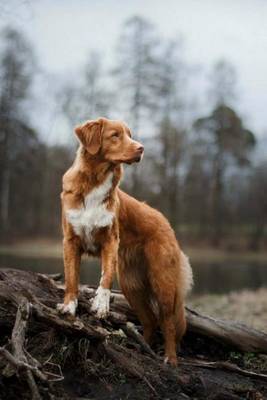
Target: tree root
[46,348]
[19,358]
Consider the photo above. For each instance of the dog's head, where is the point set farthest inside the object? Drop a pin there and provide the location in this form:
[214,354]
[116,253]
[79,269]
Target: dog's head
[110,140]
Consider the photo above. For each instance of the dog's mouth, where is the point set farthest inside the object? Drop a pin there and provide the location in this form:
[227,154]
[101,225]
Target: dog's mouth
[135,159]
[138,158]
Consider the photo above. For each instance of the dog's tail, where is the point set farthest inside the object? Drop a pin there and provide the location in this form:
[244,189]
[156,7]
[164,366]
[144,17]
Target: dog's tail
[183,288]
[186,275]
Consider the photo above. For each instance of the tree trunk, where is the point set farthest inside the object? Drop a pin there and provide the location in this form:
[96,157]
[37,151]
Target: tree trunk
[217,202]
[5,185]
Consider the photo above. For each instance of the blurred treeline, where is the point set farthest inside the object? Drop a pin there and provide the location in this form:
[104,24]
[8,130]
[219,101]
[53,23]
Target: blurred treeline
[199,168]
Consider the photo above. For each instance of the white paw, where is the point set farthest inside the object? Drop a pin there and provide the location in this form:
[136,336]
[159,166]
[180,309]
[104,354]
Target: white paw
[100,303]
[69,308]
[172,360]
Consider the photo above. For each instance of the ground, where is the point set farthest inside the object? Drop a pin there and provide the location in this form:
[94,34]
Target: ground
[85,358]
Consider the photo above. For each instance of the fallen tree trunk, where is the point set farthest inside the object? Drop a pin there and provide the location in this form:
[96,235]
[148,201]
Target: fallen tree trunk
[231,333]
[46,354]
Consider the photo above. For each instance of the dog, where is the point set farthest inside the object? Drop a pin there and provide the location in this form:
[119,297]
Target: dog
[129,236]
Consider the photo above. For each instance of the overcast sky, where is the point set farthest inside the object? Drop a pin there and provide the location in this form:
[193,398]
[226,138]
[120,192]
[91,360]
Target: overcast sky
[63,32]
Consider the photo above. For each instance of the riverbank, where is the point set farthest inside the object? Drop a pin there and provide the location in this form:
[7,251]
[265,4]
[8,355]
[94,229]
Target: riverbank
[53,248]
[44,248]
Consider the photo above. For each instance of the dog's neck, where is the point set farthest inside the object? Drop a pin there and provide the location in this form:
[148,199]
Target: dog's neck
[96,169]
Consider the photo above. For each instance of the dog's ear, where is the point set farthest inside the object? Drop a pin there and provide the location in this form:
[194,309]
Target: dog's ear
[90,135]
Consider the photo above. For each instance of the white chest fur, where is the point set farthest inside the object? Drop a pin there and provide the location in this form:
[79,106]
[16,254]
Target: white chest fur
[93,214]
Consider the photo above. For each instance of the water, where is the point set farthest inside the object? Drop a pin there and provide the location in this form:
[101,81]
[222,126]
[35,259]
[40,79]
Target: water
[227,276]
[209,277]
[90,269]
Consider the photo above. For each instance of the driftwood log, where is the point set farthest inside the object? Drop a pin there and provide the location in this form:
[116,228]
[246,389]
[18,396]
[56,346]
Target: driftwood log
[45,355]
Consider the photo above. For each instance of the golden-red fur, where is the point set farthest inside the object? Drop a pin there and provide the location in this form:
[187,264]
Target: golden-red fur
[153,273]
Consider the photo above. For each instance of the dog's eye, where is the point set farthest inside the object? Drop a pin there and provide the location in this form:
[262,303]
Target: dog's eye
[115,135]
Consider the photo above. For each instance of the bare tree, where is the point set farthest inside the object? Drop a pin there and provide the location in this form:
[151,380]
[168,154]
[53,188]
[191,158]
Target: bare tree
[16,73]
[136,73]
[171,126]
[88,98]
[172,141]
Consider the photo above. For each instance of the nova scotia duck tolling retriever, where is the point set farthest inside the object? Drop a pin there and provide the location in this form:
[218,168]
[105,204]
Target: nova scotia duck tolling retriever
[131,238]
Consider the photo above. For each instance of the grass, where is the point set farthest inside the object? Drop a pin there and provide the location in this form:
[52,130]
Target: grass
[245,306]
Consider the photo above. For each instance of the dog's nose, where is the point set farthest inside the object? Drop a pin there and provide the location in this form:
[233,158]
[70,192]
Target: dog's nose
[141,149]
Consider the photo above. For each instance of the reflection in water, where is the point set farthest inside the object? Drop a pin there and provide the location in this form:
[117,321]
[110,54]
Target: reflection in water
[223,277]
[216,277]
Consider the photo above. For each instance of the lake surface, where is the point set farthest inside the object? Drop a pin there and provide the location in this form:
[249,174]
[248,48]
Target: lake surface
[209,277]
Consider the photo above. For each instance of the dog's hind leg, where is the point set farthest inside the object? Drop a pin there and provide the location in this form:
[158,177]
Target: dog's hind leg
[180,321]
[168,323]
[138,300]
[132,276]
[163,279]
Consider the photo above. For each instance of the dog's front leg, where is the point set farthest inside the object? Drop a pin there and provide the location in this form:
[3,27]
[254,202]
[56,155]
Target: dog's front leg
[109,260]
[72,260]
